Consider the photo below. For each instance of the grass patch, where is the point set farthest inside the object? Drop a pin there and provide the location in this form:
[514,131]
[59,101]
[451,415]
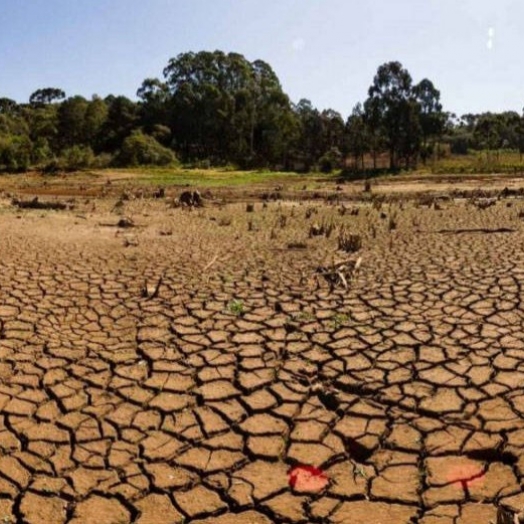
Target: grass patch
[480,162]
[215,177]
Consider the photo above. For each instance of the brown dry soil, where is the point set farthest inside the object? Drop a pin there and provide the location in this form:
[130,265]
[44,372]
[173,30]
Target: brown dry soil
[192,404]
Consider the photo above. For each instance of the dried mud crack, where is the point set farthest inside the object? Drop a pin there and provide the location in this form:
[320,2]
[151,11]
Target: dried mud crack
[160,379]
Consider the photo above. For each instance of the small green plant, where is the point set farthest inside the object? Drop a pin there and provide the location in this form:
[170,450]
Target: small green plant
[305,316]
[236,307]
[339,320]
[360,472]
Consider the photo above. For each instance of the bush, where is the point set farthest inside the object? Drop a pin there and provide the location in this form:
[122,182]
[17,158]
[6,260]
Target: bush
[76,157]
[103,160]
[41,153]
[330,160]
[140,149]
[15,153]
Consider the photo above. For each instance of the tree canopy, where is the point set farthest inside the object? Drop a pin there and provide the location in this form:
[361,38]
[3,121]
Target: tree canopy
[220,108]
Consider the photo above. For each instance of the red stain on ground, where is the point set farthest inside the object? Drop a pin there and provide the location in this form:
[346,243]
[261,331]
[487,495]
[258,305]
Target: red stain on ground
[466,476]
[307,479]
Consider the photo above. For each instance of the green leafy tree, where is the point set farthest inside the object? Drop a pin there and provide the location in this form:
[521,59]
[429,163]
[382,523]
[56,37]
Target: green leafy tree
[154,104]
[333,129]
[8,106]
[390,107]
[310,140]
[224,108]
[95,119]
[431,117]
[71,121]
[520,136]
[358,136]
[122,118]
[42,122]
[15,152]
[46,96]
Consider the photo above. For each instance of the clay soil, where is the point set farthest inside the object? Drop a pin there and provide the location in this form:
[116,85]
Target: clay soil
[178,370]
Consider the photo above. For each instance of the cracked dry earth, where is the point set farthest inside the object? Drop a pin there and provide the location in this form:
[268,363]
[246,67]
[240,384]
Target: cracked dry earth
[192,406]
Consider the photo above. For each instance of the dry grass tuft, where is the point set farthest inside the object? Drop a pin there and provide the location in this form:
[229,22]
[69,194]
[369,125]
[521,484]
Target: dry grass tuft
[348,242]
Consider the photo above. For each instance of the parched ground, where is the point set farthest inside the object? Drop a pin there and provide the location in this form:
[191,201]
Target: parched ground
[177,371]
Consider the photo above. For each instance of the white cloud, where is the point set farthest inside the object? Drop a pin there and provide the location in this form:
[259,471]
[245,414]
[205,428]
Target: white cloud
[491,36]
[298,44]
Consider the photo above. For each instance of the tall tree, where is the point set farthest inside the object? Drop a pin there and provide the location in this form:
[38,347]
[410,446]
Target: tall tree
[358,139]
[71,121]
[224,108]
[310,138]
[45,96]
[390,108]
[154,97]
[8,106]
[432,118]
[122,118]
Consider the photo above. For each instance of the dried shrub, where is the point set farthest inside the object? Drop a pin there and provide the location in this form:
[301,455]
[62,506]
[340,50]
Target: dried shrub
[392,224]
[484,203]
[297,245]
[339,274]
[348,242]
[310,211]
[191,199]
[333,199]
[224,221]
[377,203]
[325,228]
[159,193]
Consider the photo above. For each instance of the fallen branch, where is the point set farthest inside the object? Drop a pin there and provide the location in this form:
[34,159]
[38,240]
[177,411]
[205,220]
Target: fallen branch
[36,204]
[146,290]
[477,230]
[213,260]
[339,273]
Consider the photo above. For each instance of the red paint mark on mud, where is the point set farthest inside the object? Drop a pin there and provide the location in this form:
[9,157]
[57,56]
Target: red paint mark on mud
[307,479]
[465,476]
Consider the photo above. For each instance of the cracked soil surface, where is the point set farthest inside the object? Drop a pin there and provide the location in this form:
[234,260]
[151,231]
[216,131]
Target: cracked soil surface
[193,404]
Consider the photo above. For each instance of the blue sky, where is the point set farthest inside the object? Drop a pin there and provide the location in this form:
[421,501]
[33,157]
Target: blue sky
[325,50]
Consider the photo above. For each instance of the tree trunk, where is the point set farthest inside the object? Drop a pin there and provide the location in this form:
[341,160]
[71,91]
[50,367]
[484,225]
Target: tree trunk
[392,162]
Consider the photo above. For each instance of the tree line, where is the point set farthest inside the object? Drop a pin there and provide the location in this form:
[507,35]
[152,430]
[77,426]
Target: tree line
[213,108]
